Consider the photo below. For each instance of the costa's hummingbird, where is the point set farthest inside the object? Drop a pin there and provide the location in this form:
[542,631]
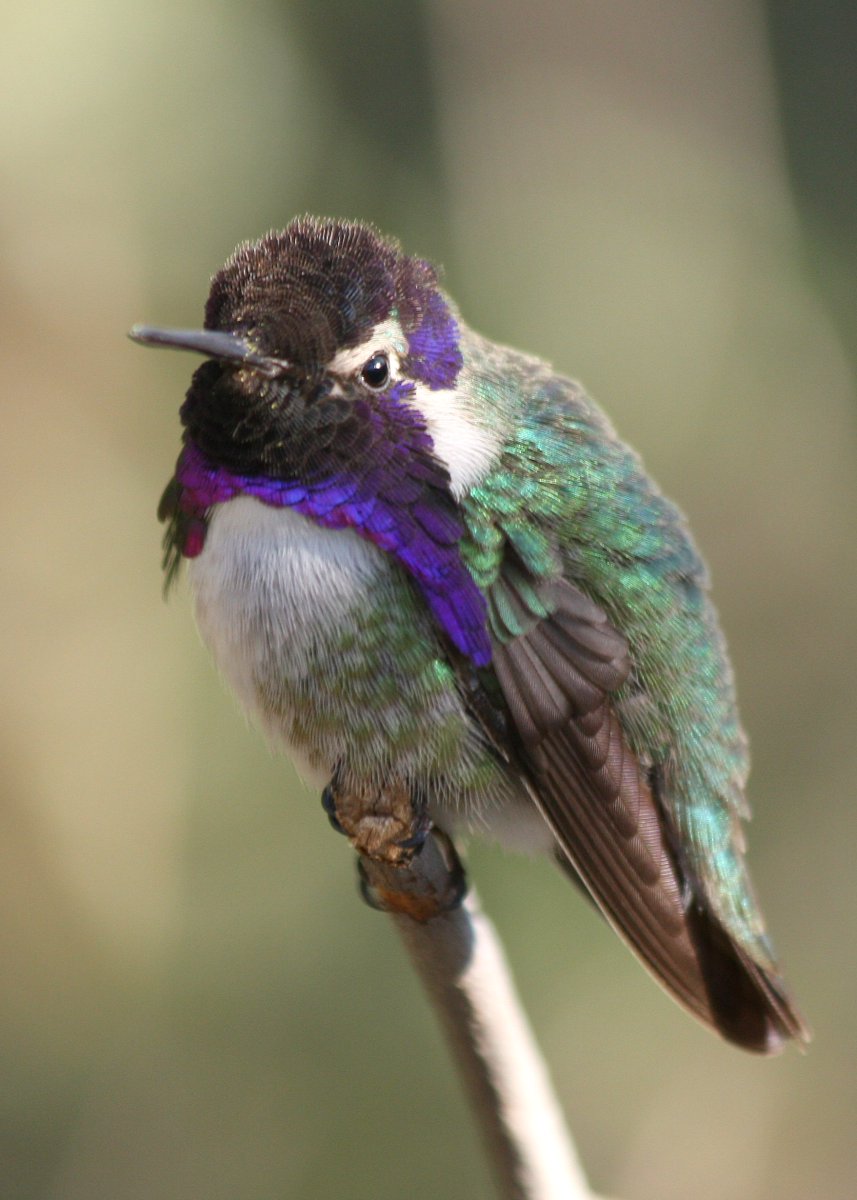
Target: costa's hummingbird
[429,567]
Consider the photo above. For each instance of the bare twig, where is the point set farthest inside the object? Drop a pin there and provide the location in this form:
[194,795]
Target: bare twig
[460,960]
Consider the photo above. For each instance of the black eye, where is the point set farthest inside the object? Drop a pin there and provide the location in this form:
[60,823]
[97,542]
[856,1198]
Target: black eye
[376,372]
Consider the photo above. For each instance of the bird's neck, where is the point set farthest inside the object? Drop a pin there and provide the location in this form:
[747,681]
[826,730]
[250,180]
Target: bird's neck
[411,516]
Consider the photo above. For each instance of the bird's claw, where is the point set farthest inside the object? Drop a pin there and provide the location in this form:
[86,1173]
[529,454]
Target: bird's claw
[328,803]
[405,892]
[385,824]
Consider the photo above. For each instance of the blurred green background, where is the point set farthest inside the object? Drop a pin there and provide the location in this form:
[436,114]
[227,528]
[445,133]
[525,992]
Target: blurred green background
[660,197]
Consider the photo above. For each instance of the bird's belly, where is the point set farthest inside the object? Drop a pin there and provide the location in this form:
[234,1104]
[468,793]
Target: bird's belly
[272,593]
[327,645]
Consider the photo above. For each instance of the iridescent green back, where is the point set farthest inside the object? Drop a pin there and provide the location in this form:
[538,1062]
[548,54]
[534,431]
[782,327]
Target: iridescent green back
[571,497]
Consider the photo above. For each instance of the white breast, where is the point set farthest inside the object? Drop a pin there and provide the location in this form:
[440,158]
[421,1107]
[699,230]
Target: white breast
[273,593]
[268,585]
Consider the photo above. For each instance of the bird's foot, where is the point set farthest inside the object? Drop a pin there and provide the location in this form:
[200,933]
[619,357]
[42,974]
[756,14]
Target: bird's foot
[386,824]
[432,885]
[328,803]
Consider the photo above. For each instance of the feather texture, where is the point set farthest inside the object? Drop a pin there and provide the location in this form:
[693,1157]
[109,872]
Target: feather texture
[607,785]
[510,620]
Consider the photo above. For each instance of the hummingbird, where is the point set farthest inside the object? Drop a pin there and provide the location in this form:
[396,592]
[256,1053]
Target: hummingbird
[430,569]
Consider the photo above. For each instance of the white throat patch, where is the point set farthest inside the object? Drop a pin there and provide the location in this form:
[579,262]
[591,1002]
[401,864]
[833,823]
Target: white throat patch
[465,446]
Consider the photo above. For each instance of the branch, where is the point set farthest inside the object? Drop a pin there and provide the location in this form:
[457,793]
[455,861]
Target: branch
[460,960]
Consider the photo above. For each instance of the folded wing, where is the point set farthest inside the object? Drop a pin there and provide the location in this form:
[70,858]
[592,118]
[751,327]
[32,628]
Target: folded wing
[559,669]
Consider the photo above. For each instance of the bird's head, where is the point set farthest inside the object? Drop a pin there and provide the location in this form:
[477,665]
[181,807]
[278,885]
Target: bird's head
[311,335]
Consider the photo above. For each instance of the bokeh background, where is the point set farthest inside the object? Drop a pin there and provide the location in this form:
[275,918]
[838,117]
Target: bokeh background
[660,197]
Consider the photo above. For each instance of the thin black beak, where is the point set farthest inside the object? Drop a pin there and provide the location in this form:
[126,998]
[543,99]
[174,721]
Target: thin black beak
[213,343]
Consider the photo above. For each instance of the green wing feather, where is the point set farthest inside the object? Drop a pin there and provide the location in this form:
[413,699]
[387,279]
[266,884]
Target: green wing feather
[637,756]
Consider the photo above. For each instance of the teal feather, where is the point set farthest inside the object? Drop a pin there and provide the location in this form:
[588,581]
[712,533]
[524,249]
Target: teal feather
[592,512]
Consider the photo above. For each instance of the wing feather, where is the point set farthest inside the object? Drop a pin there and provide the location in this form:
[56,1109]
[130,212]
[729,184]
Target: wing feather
[557,673]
